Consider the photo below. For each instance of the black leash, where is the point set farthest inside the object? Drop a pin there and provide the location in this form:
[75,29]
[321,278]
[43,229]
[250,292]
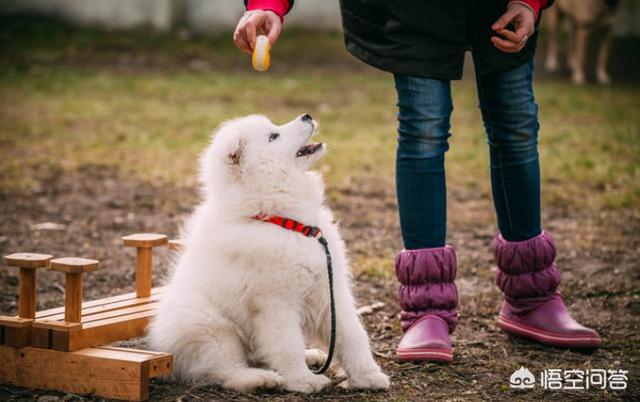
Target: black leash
[312,231]
[332,339]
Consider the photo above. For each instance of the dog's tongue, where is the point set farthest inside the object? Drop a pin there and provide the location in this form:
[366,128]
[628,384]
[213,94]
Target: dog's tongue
[308,149]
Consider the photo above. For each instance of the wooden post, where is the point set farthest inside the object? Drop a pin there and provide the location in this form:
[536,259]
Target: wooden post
[16,331]
[144,242]
[73,298]
[144,263]
[73,267]
[27,294]
[28,263]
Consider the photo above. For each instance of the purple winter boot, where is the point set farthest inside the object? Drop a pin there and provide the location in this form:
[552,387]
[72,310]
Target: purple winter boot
[428,297]
[532,308]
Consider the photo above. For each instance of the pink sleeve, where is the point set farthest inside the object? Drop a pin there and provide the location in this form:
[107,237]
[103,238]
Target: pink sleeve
[279,7]
[536,5]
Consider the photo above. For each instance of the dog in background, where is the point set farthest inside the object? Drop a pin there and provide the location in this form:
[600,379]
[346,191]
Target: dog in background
[585,17]
[246,296]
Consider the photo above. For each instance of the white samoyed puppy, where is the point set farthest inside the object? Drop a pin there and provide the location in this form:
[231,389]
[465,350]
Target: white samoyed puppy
[246,296]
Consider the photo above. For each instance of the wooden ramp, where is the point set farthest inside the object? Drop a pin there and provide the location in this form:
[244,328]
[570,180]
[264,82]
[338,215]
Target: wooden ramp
[62,348]
[105,371]
[108,320]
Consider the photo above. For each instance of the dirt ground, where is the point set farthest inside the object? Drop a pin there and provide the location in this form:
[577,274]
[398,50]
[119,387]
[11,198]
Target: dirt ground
[598,257]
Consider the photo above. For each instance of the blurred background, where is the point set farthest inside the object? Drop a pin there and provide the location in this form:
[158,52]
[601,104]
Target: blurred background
[207,16]
[106,104]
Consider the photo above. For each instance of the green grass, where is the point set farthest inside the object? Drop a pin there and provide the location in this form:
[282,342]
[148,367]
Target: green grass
[71,97]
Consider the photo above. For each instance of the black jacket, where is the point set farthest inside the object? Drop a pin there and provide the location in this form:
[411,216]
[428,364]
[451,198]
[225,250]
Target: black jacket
[428,38]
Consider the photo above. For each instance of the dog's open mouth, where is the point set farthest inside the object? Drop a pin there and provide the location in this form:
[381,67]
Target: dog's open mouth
[308,149]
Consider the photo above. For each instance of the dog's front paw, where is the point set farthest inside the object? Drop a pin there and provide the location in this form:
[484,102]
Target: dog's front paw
[306,383]
[253,379]
[314,357]
[374,379]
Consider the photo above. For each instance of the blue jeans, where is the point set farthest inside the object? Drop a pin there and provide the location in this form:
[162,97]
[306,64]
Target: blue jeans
[510,116]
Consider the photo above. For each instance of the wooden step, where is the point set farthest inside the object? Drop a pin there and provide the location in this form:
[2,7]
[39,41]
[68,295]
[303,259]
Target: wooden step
[90,313]
[63,336]
[108,372]
[102,321]
[98,302]
[99,329]
[62,325]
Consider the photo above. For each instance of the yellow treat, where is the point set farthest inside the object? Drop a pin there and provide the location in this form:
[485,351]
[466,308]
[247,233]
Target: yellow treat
[261,58]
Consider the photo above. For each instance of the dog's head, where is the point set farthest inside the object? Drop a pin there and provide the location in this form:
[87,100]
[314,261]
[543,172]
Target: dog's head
[257,154]
[255,140]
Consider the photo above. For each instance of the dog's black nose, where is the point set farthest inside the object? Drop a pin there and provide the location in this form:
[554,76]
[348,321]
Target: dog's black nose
[306,117]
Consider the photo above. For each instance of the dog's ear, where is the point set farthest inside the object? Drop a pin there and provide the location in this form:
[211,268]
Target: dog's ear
[236,154]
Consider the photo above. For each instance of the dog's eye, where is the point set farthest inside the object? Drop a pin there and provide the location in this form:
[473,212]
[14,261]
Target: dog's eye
[273,136]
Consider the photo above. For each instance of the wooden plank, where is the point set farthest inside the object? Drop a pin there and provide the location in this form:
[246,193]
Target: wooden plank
[62,325]
[17,337]
[98,302]
[103,331]
[125,312]
[8,368]
[119,313]
[107,373]
[74,265]
[41,338]
[17,322]
[27,260]
[58,325]
[88,304]
[16,331]
[130,350]
[161,366]
[134,355]
[147,240]
[116,320]
[160,363]
[90,311]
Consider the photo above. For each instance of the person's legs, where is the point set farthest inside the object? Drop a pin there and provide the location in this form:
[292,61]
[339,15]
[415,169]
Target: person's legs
[424,111]
[527,273]
[426,268]
[510,116]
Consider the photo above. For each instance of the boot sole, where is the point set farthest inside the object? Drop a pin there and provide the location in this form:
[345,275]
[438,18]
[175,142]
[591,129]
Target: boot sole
[548,338]
[425,354]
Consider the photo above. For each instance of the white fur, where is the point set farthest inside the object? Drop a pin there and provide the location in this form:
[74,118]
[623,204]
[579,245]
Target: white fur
[246,296]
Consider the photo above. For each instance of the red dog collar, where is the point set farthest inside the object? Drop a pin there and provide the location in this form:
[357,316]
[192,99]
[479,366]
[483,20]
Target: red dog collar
[290,224]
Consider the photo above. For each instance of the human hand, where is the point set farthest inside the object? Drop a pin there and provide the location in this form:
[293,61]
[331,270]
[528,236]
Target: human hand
[254,23]
[523,19]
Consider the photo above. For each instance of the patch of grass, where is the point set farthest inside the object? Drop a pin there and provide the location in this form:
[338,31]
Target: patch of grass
[375,267]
